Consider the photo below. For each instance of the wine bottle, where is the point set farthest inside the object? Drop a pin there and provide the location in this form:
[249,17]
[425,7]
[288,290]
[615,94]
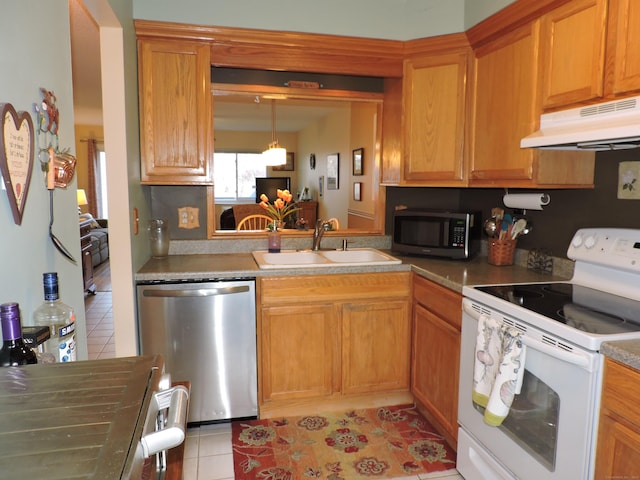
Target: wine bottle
[60,318]
[14,352]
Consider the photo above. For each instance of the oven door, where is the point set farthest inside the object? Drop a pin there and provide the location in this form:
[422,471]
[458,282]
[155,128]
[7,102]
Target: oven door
[548,433]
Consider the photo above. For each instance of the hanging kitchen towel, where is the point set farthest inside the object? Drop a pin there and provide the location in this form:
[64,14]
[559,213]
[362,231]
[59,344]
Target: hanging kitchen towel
[487,359]
[508,382]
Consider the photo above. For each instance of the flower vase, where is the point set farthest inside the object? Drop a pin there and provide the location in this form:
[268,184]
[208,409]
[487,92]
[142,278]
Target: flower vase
[274,238]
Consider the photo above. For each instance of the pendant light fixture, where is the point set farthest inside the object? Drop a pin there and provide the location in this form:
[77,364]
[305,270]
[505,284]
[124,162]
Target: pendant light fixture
[274,155]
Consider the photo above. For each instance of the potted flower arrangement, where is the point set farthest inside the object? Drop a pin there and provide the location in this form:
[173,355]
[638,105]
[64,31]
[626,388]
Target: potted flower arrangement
[280,209]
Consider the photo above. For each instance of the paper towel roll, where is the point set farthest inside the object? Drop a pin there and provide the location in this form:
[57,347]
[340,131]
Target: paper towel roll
[526,201]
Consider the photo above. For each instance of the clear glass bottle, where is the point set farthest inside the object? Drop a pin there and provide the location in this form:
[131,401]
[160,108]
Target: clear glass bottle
[14,351]
[60,318]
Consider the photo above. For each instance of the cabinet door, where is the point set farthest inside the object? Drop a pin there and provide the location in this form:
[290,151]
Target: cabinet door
[375,346]
[434,375]
[622,46]
[572,45]
[435,109]
[505,108]
[618,454]
[176,132]
[297,346]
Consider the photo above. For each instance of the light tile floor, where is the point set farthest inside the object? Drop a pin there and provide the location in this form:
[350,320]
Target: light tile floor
[208,454]
[99,315]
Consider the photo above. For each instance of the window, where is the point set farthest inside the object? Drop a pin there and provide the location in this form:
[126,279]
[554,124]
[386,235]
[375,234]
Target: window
[101,183]
[234,176]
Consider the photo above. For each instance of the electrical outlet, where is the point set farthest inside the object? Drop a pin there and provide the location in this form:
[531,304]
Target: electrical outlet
[188,217]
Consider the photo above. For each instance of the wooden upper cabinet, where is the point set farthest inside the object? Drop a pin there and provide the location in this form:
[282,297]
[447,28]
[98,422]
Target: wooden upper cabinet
[435,101]
[572,47]
[507,108]
[623,61]
[176,121]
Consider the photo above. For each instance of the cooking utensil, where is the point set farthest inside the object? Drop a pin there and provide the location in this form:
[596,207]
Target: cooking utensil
[504,229]
[528,227]
[491,227]
[50,186]
[518,227]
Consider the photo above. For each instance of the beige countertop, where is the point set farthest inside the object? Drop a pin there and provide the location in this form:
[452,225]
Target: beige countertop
[452,274]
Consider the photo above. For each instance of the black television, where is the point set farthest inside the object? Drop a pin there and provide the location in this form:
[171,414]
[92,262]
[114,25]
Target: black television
[270,186]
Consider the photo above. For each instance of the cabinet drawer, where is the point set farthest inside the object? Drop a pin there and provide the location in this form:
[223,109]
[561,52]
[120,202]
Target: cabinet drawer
[621,390]
[334,288]
[445,303]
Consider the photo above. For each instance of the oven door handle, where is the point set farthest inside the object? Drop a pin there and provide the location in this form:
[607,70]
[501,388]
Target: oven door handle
[575,358]
[172,435]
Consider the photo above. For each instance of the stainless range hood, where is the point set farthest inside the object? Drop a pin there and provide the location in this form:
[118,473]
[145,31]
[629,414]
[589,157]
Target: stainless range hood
[604,126]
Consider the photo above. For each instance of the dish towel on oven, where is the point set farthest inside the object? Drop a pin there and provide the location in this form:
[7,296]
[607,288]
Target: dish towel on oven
[487,359]
[498,369]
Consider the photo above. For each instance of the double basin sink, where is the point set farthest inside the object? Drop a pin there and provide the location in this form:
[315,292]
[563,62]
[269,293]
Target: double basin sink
[323,258]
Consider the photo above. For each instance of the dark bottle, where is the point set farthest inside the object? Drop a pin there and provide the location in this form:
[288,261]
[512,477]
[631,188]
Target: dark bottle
[14,352]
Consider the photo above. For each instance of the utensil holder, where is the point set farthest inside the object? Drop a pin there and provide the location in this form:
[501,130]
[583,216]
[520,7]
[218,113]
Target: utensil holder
[501,251]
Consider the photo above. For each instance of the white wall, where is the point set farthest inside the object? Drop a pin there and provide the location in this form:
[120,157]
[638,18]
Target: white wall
[329,135]
[35,52]
[395,19]
[388,19]
[477,10]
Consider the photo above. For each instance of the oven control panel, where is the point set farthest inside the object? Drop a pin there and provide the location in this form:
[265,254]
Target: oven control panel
[612,247]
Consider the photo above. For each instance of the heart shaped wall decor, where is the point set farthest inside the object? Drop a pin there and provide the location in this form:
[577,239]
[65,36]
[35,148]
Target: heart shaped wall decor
[16,156]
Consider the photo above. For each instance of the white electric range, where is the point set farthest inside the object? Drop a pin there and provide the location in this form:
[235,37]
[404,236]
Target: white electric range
[550,431]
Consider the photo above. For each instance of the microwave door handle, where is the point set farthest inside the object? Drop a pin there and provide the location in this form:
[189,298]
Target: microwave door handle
[195,292]
[172,434]
[575,358]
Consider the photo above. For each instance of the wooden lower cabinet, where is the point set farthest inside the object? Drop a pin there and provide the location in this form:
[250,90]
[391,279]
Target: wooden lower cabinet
[375,346]
[333,341]
[618,452]
[435,357]
[297,354]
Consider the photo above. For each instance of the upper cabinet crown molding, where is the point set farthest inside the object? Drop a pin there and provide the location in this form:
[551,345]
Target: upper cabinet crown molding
[278,50]
[510,18]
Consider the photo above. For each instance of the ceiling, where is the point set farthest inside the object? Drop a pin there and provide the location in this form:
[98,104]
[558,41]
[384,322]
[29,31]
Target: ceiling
[231,112]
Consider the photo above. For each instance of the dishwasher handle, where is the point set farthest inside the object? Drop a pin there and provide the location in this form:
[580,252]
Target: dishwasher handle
[194,292]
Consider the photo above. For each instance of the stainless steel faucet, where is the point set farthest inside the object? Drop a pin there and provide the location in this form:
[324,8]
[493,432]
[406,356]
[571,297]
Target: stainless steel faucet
[321,227]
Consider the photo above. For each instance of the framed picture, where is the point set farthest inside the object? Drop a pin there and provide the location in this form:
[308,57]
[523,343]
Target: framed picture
[333,171]
[287,167]
[321,186]
[357,191]
[312,161]
[358,157]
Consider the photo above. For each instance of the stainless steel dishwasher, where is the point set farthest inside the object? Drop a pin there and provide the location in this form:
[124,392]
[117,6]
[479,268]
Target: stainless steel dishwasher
[206,333]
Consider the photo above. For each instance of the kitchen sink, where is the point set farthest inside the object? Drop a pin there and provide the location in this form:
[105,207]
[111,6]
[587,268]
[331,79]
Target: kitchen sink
[323,258]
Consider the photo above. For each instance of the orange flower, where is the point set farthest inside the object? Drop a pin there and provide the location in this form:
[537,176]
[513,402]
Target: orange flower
[281,207]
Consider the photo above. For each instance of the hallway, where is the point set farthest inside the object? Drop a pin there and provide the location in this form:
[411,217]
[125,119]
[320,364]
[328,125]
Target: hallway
[99,316]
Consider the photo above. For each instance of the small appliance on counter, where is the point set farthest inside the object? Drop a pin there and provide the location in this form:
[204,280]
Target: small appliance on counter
[437,233]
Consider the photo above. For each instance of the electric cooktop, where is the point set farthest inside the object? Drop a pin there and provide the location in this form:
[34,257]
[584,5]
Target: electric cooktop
[580,307]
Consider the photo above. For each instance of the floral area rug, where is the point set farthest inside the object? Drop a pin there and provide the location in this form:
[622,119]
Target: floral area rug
[385,442]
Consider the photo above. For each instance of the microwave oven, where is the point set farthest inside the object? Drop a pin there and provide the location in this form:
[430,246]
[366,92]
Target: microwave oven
[454,235]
